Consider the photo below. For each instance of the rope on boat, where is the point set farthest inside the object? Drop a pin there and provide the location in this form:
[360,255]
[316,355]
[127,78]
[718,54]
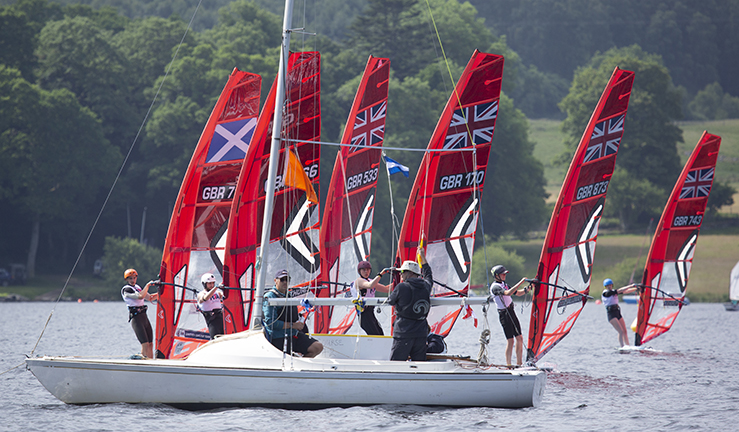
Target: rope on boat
[14,367]
[118,175]
[482,356]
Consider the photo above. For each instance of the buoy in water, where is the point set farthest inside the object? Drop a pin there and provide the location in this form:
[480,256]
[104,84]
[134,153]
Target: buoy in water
[633,326]
[598,302]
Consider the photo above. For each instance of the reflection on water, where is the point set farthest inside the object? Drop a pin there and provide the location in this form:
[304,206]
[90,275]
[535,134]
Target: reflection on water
[590,379]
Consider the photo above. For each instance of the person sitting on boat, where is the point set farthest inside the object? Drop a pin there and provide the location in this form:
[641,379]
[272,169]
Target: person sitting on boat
[367,288]
[501,293]
[282,321]
[210,302]
[135,296]
[411,299]
[610,300]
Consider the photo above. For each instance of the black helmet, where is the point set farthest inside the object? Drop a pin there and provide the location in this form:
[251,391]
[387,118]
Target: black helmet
[499,269]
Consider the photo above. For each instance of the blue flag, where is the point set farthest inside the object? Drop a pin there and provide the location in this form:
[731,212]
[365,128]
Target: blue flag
[394,167]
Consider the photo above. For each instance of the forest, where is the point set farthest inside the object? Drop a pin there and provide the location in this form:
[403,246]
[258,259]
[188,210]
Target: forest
[103,101]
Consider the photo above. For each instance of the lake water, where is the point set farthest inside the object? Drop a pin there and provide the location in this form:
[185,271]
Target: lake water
[689,381]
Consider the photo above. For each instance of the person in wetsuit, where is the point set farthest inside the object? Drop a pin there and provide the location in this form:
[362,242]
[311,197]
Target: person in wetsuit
[613,310]
[284,322]
[501,293]
[210,302]
[411,299]
[367,287]
[135,296]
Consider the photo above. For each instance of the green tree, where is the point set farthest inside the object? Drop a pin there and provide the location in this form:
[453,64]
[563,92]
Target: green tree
[712,103]
[491,255]
[54,156]
[17,41]
[125,253]
[648,149]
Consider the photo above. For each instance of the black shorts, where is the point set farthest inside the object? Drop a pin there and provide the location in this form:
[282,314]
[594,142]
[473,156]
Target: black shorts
[298,343]
[613,312]
[509,321]
[415,348]
[142,328]
[214,319]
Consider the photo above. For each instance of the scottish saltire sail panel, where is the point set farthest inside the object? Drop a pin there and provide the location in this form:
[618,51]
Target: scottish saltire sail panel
[346,227]
[294,233]
[667,269]
[198,228]
[444,202]
[567,255]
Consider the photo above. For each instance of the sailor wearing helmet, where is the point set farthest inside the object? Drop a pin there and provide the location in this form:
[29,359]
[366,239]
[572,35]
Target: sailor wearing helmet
[411,299]
[501,293]
[210,302]
[610,301]
[367,287]
[135,296]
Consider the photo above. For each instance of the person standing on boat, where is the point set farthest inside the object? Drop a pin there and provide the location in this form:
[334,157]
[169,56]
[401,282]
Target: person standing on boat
[411,299]
[367,287]
[135,296]
[501,293]
[210,302]
[284,321]
[610,300]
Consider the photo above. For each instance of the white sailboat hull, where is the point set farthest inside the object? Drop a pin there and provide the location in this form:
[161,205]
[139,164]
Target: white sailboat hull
[245,370]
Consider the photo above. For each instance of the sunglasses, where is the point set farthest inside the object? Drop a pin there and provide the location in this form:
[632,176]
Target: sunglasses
[285,279]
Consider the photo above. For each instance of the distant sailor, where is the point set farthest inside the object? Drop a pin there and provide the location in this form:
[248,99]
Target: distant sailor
[283,322]
[210,302]
[610,301]
[367,287]
[135,296]
[411,299]
[501,292]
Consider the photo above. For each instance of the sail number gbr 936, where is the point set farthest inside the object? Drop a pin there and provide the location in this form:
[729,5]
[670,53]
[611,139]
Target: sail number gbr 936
[455,181]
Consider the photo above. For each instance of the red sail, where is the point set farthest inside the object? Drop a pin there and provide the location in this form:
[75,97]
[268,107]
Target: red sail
[346,227]
[444,202]
[197,230]
[294,231]
[670,256]
[569,247]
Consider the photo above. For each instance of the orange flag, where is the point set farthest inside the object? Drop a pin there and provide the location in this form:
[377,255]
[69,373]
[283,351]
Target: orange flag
[296,177]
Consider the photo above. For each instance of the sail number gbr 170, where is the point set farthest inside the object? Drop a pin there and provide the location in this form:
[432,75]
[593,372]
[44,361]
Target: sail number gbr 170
[456,181]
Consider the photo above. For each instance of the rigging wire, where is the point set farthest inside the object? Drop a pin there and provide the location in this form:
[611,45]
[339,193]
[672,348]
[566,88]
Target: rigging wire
[118,175]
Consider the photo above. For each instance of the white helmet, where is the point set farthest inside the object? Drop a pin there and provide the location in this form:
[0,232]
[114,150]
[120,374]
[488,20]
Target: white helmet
[208,277]
[411,266]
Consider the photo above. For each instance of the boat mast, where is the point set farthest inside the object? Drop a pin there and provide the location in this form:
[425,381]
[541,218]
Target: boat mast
[274,155]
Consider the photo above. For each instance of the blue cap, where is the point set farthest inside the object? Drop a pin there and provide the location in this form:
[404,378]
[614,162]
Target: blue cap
[607,282]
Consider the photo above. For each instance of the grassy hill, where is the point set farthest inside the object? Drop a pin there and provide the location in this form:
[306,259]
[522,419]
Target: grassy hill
[616,255]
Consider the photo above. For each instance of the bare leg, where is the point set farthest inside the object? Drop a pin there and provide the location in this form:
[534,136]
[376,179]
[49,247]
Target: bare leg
[147,350]
[314,349]
[508,351]
[614,322]
[519,349]
[623,335]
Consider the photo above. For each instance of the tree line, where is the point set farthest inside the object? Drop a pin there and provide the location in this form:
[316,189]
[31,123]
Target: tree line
[77,83]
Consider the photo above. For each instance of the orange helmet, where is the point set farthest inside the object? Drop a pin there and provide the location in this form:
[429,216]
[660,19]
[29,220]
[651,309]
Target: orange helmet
[130,272]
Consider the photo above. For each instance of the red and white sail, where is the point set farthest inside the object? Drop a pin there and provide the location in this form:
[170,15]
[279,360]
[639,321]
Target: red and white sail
[567,255]
[667,269]
[293,243]
[444,203]
[198,228]
[346,228]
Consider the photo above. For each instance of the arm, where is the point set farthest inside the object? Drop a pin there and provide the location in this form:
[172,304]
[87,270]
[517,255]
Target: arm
[627,289]
[515,290]
[146,295]
[206,295]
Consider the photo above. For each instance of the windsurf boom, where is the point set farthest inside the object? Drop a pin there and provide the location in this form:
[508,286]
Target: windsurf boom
[198,228]
[569,247]
[666,272]
[445,200]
